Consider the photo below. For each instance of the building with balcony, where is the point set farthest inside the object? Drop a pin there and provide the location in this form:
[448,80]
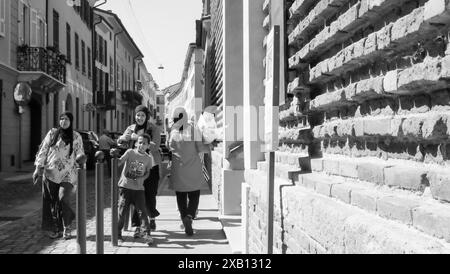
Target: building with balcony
[147,87]
[118,59]
[70,27]
[35,56]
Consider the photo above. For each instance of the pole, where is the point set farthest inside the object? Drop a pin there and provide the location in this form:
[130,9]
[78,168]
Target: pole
[81,206]
[100,156]
[273,95]
[114,196]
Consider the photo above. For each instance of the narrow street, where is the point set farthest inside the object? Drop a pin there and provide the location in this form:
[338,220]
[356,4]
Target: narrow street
[20,232]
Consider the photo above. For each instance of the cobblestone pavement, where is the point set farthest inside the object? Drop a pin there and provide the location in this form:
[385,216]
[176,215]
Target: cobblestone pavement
[25,237]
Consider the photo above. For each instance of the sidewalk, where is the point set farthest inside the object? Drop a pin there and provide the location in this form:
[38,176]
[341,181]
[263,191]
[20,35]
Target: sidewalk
[24,236]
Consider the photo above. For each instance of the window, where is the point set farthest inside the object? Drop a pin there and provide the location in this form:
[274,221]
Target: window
[111,71]
[2,18]
[83,58]
[56,30]
[105,58]
[24,23]
[42,32]
[77,52]
[68,43]
[100,49]
[89,62]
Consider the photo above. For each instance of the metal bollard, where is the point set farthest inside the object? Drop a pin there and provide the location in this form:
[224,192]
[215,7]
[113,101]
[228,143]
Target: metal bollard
[81,206]
[100,156]
[114,196]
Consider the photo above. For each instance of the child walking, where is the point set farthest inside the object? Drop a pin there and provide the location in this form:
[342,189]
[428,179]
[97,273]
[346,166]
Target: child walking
[131,184]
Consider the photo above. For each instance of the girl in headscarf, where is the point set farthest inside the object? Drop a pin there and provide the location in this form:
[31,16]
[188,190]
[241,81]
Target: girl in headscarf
[186,177]
[143,125]
[56,163]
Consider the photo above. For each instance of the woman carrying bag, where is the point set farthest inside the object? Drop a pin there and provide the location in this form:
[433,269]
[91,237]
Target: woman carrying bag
[186,177]
[56,163]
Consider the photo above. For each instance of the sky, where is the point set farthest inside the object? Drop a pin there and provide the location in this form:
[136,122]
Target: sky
[162,30]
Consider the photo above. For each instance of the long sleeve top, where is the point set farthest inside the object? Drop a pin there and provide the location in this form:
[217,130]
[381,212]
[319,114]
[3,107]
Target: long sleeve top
[153,131]
[58,165]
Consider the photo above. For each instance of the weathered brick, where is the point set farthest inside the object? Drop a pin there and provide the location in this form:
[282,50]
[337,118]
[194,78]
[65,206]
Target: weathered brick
[440,185]
[412,126]
[396,208]
[433,220]
[390,81]
[341,192]
[364,199]
[317,165]
[377,127]
[348,168]
[434,8]
[323,186]
[371,43]
[331,166]
[371,172]
[410,178]
[384,36]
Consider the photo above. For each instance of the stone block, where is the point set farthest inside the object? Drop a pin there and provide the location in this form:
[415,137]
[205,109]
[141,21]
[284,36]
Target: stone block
[410,178]
[317,165]
[345,128]
[384,36]
[440,185]
[371,43]
[308,181]
[397,208]
[380,127]
[390,81]
[433,220]
[324,185]
[348,17]
[365,199]
[358,126]
[412,127]
[371,172]
[434,8]
[331,166]
[341,192]
[348,54]
[358,48]
[348,168]
[415,20]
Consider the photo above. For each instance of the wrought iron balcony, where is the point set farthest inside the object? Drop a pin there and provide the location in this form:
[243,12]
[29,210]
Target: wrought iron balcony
[46,60]
[105,100]
[132,98]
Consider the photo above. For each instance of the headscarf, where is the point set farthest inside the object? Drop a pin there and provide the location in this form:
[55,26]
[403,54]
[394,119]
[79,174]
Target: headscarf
[147,114]
[65,134]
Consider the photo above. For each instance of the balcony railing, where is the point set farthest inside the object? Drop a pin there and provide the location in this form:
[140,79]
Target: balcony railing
[45,60]
[105,100]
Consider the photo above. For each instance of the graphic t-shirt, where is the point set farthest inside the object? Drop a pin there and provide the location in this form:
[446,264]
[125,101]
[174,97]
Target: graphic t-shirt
[136,170]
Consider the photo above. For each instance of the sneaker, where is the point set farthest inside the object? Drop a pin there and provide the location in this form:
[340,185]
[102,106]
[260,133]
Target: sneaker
[187,221]
[148,239]
[137,233]
[152,225]
[67,233]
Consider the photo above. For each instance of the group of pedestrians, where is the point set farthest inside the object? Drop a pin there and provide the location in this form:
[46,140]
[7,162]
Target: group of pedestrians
[61,152]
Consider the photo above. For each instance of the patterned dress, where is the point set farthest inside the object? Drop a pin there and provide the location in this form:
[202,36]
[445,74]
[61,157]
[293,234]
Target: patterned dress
[59,165]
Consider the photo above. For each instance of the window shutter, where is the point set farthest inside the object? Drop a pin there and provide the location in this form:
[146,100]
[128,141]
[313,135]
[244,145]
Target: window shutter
[34,28]
[2,17]
[21,23]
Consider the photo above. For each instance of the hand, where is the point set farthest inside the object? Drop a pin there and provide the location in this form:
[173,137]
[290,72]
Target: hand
[134,136]
[37,175]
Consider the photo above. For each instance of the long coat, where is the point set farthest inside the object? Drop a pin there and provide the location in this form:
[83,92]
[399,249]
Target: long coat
[186,170]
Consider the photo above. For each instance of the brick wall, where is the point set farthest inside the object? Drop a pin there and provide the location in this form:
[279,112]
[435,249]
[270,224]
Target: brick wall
[370,111]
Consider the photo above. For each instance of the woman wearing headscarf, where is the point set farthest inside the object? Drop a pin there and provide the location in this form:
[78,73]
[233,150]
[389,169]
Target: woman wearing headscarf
[186,177]
[143,125]
[56,163]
